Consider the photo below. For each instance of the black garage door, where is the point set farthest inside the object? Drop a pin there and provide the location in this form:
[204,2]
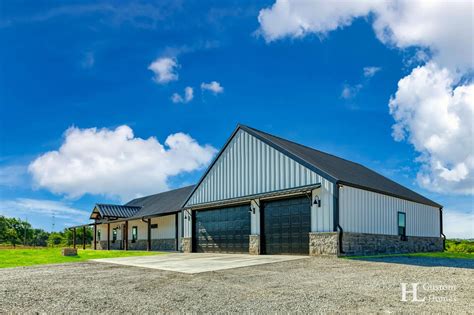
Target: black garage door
[286,226]
[224,230]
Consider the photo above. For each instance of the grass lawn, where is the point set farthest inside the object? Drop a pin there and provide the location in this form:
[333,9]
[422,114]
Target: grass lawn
[28,257]
[431,255]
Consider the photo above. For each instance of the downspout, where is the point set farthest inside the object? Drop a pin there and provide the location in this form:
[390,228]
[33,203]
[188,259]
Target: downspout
[337,227]
[441,227]
[340,234]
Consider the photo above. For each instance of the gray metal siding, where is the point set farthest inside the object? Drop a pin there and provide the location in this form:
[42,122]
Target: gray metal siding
[248,166]
[363,211]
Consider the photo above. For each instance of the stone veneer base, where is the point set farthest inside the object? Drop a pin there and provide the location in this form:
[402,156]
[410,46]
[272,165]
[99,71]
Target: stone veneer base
[187,244]
[360,244]
[156,244]
[254,245]
[323,244]
[354,244]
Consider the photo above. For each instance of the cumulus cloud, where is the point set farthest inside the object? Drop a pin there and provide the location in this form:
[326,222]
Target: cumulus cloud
[369,72]
[433,107]
[188,96]
[214,86]
[437,118]
[115,163]
[398,23]
[165,70]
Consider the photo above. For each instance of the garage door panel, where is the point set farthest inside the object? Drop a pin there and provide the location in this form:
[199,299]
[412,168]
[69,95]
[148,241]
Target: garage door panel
[287,224]
[226,230]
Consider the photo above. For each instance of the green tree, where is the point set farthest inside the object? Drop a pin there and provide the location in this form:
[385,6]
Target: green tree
[55,239]
[12,236]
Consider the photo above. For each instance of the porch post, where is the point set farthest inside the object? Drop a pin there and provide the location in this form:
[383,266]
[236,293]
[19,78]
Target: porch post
[176,225]
[126,235]
[108,236]
[74,237]
[84,237]
[148,244]
[95,235]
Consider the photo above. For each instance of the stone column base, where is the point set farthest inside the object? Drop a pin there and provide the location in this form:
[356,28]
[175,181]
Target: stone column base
[254,245]
[187,244]
[323,244]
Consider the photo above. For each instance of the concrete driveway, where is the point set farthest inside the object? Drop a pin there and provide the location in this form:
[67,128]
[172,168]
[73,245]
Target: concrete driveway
[197,262]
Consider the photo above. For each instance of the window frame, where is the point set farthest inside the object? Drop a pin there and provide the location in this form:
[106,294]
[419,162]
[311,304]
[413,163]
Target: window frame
[134,233]
[402,230]
[114,235]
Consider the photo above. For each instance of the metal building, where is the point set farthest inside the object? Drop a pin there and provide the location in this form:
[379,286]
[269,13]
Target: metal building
[266,195]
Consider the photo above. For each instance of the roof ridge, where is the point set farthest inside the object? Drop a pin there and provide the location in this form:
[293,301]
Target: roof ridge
[163,192]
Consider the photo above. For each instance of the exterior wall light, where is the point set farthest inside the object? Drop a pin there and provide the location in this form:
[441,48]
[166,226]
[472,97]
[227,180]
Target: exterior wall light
[317,201]
[252,210]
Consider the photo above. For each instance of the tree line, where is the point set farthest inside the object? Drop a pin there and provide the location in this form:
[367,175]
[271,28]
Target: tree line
[15,232]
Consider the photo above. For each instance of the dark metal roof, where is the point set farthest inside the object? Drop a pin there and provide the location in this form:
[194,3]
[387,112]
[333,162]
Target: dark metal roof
[338,169]
[162,203]
[116,211]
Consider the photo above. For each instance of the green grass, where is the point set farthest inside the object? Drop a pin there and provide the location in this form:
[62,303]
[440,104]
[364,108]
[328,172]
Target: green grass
[430,255]
[29,257]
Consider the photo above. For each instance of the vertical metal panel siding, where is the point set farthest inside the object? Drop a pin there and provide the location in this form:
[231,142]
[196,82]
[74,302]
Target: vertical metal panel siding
[166,227]
[363,211]
[248,166]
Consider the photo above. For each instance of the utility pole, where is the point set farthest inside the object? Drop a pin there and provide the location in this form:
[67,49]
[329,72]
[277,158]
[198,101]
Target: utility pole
[52,224]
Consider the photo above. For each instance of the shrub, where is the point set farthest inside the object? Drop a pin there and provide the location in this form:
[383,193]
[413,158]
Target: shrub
[460,246]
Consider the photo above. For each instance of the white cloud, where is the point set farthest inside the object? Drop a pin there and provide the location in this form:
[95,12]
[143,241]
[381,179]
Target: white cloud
[298,18]
[115,163]
[350,91]
[25,206]
[433,107]
[402,23]
[369,72]
[214,86]
[188,96]
[458,224]
[165,70]
[437,118]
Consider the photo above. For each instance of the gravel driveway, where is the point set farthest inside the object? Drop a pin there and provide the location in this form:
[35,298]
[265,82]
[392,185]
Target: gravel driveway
[307,285]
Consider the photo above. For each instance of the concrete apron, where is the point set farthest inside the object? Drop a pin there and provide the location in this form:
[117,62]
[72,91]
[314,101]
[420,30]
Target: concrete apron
[198,262]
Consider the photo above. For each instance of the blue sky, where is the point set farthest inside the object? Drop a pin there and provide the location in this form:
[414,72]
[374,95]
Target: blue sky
[86,65]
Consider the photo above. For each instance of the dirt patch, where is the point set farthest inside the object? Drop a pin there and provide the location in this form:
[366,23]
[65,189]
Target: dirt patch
[307,285]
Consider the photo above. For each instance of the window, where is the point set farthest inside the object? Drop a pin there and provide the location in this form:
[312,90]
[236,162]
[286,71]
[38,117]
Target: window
[402,224]
[98,235]
[134,234]
[114,235]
